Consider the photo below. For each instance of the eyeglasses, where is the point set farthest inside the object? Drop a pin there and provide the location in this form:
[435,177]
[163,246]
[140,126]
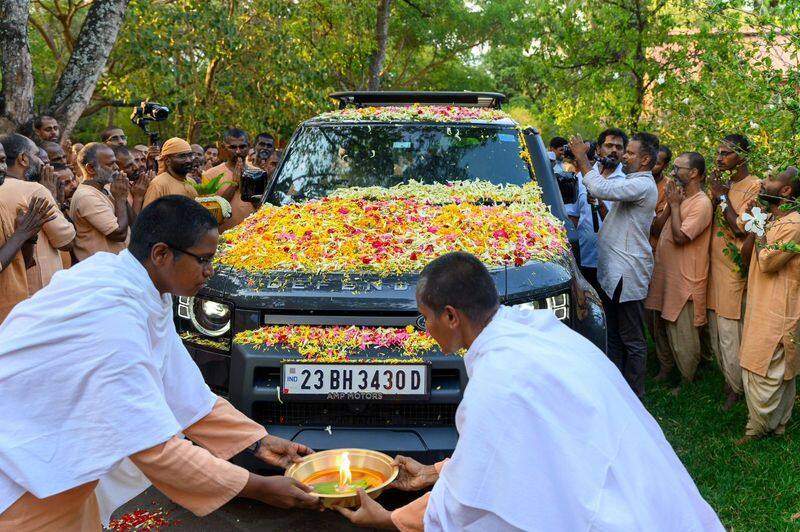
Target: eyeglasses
[202,261]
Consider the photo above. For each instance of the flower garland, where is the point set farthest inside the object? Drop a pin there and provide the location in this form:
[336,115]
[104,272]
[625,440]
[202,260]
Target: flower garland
[441,194]
[337,343]
[399,234]
[414,113]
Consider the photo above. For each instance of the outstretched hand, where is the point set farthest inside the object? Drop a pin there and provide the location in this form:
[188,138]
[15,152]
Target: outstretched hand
[412,475]
[370,515]
[281,453]
[281,492]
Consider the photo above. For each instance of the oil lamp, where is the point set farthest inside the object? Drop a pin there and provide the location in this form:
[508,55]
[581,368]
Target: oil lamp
[337,474]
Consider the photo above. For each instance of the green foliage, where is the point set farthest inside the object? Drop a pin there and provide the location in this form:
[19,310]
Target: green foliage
[211,187]
[751,487]
[690,70]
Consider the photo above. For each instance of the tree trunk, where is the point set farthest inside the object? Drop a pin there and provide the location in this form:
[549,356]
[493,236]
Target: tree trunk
[16,101]
[87,62]
[381,40]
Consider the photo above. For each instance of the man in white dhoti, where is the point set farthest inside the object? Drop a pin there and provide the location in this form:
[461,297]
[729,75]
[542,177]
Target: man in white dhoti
[551,437]
[97,386]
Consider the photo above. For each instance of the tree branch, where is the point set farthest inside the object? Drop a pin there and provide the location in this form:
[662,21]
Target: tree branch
[48,39]
[17,88]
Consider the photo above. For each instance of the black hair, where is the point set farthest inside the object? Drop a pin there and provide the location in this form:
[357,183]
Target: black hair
[59,166]
[177,221]
[121,151]
[460,280]
[88,155]
[739,143]
[794,181]
[265,136]
[14,145]
[48,144]
[557,142]
[235,133]
[648,145]
[612,132]
[38,121]
[696,161]
[209,146]
[663,148]
[106,133]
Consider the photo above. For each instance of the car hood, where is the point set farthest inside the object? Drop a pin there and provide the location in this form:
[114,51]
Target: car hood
[354,293]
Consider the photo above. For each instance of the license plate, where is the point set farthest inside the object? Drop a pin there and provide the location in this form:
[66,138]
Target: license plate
[356,381]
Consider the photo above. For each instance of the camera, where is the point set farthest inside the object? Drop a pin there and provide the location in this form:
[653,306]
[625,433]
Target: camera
[147,112]
[253,184]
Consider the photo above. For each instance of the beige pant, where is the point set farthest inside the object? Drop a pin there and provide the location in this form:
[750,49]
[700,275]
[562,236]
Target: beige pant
[769,399]
[726,337]
[684,341]
[658,331]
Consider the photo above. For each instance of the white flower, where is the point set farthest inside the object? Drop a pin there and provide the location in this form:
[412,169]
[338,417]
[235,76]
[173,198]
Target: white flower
[662,78]
[615,75]
[756,222]
[685,101]
[754,125]
[723,206]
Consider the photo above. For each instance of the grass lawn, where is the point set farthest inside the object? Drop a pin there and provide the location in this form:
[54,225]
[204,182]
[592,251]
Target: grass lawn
[752,487]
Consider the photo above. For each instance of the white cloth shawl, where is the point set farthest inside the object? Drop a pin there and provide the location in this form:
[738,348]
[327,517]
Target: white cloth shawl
[91,372]
[552,438]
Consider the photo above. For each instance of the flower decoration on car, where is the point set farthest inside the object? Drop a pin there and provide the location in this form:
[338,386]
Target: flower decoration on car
[397,230]
[337,343]
[415,113]
[755,221]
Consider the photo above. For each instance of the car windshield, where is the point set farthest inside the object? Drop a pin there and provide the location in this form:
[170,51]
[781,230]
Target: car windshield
[323,158]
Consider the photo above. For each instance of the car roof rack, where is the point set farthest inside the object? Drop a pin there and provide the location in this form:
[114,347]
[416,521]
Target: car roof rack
[381,98]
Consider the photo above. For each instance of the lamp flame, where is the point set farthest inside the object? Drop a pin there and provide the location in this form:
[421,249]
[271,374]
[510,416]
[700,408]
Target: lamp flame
[345,476]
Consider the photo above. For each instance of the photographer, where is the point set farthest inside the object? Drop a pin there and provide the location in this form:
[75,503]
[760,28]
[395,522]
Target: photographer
[235,146]
[587,213]
[624,255]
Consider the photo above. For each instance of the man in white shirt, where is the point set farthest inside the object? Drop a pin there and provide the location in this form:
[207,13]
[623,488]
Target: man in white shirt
[550,435]
[587,213]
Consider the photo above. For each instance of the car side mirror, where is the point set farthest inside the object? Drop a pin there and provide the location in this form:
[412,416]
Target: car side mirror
[253,184]
[568,186]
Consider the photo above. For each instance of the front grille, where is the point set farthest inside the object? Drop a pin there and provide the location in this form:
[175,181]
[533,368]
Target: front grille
[356,415]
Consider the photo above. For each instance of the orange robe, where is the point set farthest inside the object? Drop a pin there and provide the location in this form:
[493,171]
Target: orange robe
[661,204]
[198,478]
[239,209]
[57,233]
[166,185]
[13,279]
[725,285]
[681,272]
[773,301]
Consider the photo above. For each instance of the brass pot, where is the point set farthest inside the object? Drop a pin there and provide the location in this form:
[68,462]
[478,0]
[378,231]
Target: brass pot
[359,458]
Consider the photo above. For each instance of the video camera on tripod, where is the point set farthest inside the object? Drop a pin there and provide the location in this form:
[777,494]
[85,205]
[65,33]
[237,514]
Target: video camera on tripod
[146,113]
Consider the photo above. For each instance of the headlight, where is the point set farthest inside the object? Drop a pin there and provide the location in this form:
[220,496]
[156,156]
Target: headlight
[210,318]
[559,304]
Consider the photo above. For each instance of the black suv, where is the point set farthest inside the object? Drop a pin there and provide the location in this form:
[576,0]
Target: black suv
[422,424]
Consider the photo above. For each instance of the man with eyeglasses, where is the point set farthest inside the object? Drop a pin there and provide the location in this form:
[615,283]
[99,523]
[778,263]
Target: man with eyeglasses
[678,287]
[178,159]
[105,387]
[114,136]
[235,145]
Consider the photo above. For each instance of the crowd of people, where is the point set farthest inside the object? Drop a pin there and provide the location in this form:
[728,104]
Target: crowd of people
[700,255]
[62,202]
